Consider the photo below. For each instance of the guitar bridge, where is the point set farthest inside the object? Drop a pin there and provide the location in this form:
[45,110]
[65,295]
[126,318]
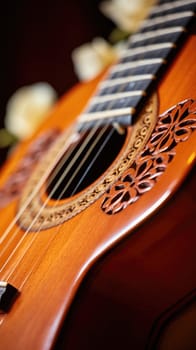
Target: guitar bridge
[8,294]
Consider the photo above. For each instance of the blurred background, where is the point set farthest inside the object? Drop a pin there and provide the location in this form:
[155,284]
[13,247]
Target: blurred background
[37,38]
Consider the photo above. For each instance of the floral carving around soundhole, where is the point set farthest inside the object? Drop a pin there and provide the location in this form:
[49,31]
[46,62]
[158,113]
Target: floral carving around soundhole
[173,127]
[16,181]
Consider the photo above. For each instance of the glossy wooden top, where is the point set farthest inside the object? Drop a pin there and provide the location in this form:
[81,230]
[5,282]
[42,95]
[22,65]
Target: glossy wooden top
[49,266]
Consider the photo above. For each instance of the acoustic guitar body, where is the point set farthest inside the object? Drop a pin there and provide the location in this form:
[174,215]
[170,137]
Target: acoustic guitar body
[141,294]
[113,266]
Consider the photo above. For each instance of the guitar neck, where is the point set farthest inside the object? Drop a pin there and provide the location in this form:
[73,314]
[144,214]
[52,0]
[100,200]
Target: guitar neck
[121,95]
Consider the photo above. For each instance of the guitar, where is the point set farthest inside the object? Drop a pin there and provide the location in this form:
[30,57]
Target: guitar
[98,208]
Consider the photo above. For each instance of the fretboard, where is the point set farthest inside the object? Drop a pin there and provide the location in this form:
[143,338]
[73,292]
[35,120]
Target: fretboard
[122,93]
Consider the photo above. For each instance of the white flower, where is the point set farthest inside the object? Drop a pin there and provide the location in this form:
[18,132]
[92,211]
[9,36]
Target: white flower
[127,14]
[27,108]
[91,58]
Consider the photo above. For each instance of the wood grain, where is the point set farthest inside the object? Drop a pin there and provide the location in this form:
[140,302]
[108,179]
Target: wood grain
[155,266]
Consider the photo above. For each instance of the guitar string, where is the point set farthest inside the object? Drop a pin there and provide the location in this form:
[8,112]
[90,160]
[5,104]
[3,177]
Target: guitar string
[93,160]
[42,181]
[82,162]
[33,194]
[33,267]
[35,191]
[122,56]
[0,322]
[18,230]
[22,210]
[68,154]
[49,242]
[28,230]
[61,179]
[37,262]
[39,187]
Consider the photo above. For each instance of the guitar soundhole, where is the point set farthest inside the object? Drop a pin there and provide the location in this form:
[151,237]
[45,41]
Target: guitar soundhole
[94,160]
[84,162]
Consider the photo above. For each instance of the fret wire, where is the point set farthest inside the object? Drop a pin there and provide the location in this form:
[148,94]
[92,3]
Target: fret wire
[148,48]
[174,37]
[155,33]
[115,104]
[106,114]
[188,7]
[113,99]
[126,102]
[106,83]
[121,120]
[144,62]
[162,53]
[173,5]
[129,86]
[184,21]
[163,19]
[145,69]
[98,98]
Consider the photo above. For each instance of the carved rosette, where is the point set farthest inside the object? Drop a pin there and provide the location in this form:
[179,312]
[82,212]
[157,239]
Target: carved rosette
[174,126]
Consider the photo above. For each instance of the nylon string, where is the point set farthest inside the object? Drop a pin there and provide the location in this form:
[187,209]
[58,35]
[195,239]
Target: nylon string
[54,189]
[35,192]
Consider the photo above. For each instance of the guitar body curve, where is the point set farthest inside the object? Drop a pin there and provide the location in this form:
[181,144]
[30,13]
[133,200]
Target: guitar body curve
[140,288]
[142,293]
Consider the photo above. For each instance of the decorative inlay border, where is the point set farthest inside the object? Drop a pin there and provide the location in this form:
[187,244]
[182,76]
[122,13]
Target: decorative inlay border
[173,126]
[39,215]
